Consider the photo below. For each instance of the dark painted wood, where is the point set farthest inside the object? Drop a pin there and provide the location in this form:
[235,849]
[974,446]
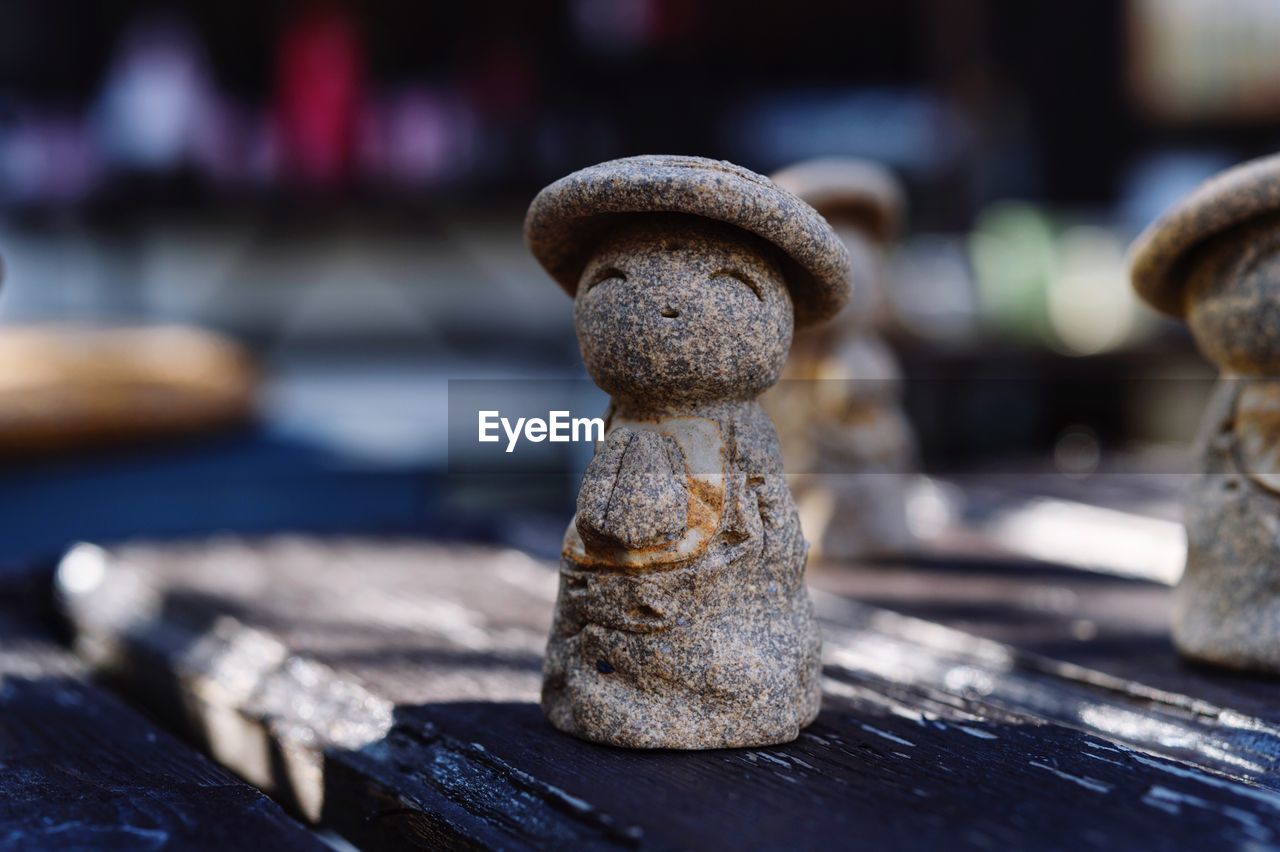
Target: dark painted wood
[1111,625]
[389,690]
[79,770]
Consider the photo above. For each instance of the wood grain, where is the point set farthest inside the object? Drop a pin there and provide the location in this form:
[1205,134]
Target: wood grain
[388,689]
[79,770]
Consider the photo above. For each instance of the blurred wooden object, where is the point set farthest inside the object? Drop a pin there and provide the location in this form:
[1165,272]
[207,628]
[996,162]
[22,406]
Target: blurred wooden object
[79,770]
[69,387]
[389,690]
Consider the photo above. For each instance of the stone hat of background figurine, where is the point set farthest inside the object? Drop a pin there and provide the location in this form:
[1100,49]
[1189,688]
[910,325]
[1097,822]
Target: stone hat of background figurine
[847,188]
[1158,261]
[567,219]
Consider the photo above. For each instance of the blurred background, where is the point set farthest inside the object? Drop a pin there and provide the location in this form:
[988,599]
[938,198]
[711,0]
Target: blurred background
[335,189]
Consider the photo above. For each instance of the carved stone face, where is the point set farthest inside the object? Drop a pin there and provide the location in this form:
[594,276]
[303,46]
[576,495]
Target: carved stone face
[1233,299]
[680,308]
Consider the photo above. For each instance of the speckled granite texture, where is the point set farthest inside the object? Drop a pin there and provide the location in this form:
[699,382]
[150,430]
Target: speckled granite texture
[570,215]
[682,619]
[1159,257]
[1215,260]
[861,192]
[838,409]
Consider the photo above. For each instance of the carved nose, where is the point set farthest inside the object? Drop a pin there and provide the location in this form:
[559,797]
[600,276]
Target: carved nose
[669,311]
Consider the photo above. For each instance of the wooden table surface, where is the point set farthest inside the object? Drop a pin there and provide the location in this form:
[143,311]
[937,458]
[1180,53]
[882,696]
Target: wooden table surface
[388,690]
[80,770]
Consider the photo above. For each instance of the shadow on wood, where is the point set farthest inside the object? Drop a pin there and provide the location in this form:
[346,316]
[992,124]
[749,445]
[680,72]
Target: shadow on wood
[389,689]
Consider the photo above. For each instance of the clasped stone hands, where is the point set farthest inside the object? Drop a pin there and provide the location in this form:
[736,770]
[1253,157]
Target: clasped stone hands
[635,492]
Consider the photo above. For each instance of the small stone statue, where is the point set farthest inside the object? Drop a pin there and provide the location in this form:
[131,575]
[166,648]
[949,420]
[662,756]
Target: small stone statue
[1214,260]
[838,407]
[682,619]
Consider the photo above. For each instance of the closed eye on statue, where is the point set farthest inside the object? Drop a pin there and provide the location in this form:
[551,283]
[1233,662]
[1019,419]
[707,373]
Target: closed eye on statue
[603,275]
[741,279]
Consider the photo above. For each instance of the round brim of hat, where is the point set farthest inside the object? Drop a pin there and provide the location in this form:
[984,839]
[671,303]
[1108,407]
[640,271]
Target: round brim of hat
[1158,259]
[843,187]
[567,219]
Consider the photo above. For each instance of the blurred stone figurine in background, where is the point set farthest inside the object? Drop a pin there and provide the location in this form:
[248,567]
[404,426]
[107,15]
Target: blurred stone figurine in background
[838,407]
[682,619]
[1214,259]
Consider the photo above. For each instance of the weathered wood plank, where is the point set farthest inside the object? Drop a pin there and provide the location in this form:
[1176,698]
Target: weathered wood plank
[389,690]
[79,770]
[1112,625]
[928,662]
[1123,523]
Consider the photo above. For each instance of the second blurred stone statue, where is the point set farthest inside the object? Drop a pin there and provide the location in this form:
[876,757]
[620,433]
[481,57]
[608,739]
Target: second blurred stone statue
[682,619]
[1214,260]
[838,407]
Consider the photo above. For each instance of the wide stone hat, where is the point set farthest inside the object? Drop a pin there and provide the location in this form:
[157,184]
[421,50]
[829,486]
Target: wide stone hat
[862,191]
[567,219]
[1159,258]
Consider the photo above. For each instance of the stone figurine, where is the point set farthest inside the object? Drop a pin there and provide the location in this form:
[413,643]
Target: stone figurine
[1214,260]
[838,407]
[682,619]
